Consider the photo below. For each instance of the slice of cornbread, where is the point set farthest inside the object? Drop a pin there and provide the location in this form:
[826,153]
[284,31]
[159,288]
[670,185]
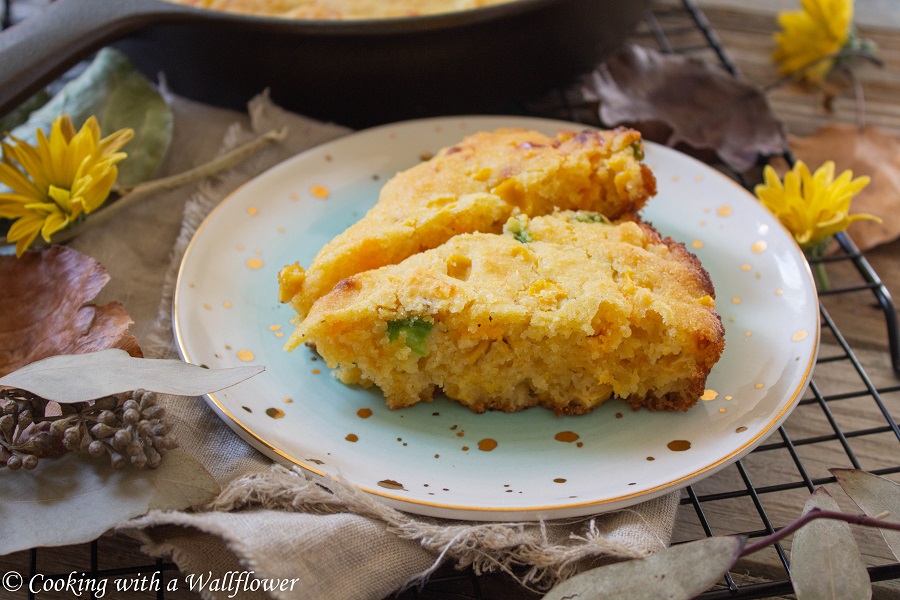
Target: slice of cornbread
[563,311]
[477,185]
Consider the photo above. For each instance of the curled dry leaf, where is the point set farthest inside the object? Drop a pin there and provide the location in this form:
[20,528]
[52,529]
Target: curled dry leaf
[45,310]
[825,560]
[70,500]
[865,151]
[80,377]
[875,496]
[677,573]
[677,101]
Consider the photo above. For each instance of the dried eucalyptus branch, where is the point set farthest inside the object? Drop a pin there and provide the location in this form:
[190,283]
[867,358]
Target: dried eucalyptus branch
[130,429]
[817,513]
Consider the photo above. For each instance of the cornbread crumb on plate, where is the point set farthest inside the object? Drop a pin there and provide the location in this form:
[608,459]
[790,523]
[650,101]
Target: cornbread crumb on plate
[564,311]
[475,186]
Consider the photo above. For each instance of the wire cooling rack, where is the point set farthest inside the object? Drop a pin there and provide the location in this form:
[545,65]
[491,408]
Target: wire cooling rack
[825,426]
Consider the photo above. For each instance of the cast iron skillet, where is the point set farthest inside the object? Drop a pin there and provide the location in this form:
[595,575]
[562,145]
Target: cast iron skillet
[358,73]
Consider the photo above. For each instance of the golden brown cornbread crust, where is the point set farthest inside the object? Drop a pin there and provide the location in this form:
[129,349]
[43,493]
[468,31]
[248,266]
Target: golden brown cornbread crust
[577,313]
[476,185]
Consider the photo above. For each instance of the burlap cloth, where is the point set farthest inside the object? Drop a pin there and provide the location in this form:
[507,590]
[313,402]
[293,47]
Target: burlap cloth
[340,543]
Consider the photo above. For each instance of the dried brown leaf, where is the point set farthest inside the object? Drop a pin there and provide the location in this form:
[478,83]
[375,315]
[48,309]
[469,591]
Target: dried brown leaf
[876,496]
[867,151]
[678,101]
[45,310]
[825,560]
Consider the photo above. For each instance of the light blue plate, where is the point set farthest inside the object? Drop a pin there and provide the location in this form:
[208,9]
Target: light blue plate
[426,459]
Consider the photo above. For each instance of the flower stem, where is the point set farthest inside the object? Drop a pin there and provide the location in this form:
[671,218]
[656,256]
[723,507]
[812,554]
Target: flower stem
[134,194]
[817,513]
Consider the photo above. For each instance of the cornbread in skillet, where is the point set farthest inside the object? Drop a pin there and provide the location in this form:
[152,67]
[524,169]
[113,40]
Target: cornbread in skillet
[477,185]
[340,9]
[563,311]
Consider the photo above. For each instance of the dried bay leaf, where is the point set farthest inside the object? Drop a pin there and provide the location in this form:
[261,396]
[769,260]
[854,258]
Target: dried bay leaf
[867,151]
[825,560]
[74,499]
[680,572]
[45,310]
[875,496]
[81,377]
[675,100]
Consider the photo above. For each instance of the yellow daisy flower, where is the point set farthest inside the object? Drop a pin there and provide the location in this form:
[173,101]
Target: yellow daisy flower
[66,175]
[819,30]
[812,206]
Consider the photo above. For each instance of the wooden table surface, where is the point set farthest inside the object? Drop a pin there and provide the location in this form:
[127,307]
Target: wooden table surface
[746,34]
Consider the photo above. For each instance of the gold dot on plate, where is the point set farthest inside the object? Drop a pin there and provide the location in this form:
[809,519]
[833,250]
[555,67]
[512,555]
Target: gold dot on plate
[320,191]
[364,413]
[487,444]
[255,263]
[288,400]
[724,210]
[226,304]
[758,386]
[240,247]
[281,230]
[559,480]
[698,177]
[759,246]
[295,197]
[746,267]
[352,437]
[245,355]
[748,333]
[275,413]
[207,307]
[729,397]
[779,292]
[279,334]
[316,371]
[709,394]
[274,327]
[252,210]
[697,244]
[675,178]
[799,335]
[721,410]
[736,300]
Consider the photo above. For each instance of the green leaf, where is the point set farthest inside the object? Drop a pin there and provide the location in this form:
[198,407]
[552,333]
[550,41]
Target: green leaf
[678,573]
[74,499]
[119,96]
[825,560]
[875,496]
[81,377]
[415,332]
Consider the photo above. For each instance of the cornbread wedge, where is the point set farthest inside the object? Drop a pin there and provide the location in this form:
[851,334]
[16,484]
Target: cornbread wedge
[477,185]
[565,311]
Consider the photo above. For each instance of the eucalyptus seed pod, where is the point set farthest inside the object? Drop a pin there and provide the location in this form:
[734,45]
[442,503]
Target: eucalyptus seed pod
[117,460]
[154,412]
[29,461]
[96,448]
[144,429]
[25,419]
[72,437]
[153,457]
[7,426]
[134,449]
[131,415]
[107,417]
[102,431]
[14,462]
[9,407]
[148,399]
[60,425]
[159,429]
[121,439]
[131,404]
[139,461]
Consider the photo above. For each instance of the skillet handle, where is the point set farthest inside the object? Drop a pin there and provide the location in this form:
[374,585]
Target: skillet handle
[42,47]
